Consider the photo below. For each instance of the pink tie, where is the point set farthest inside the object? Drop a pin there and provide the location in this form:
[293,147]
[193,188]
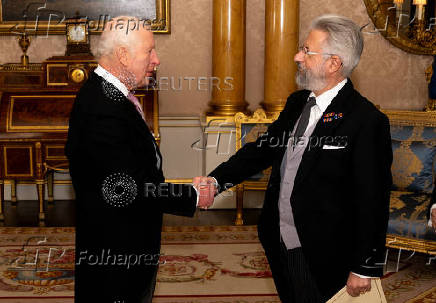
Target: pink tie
[135,102]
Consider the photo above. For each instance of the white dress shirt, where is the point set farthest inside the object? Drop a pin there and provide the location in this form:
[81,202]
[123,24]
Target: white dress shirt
[322,102]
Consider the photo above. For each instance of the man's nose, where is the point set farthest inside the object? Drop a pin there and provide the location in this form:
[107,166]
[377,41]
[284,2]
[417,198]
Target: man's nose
[154,58]
[299,57]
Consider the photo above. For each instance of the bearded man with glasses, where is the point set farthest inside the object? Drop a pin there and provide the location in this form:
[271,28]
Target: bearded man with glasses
[324,220]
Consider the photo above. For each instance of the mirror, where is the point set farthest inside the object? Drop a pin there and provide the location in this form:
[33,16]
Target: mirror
[407,24]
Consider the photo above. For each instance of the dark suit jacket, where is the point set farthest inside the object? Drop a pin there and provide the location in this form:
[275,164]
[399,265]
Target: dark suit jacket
[340,199]
[107,136]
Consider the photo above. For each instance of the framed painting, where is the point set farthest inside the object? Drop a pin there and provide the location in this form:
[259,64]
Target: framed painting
[47,17]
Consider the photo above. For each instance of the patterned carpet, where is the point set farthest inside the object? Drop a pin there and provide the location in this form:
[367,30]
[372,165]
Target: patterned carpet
[411,280]
[218,264]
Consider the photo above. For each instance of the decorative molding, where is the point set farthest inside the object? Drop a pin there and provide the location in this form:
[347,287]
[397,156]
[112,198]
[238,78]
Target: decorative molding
[412,118]
[18,67]
[28,182]
[422,246]
[170,122]
[259,116]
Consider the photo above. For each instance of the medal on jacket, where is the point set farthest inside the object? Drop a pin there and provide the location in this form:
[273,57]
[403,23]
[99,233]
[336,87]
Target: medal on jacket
[329,117]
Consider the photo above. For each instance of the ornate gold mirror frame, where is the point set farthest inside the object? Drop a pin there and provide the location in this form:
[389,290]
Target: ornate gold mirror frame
[56,25]
[408,24]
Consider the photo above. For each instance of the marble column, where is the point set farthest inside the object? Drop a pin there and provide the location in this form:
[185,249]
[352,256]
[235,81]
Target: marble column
[228,61]
[281,43]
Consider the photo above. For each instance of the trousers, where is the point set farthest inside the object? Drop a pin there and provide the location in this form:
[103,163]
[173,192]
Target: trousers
[298,285]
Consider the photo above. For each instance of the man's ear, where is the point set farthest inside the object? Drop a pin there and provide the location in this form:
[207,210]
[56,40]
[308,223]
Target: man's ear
[335,64]
[123,55]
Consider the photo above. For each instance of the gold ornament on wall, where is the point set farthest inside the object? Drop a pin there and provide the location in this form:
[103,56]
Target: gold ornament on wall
[24,43]
[407,24]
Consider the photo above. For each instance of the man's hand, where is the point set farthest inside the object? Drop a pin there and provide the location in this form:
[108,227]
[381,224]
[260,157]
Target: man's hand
[206,189]
[433,218]
[357,286]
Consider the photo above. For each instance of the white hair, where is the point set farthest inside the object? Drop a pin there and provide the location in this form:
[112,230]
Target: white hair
[118,32]
[345,40]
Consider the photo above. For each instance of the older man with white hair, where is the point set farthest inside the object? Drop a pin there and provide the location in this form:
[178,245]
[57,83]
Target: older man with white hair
[116,168]
[324,219]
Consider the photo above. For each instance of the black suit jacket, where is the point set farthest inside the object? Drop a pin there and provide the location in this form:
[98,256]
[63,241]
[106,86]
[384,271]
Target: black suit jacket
[340,199]
[107,139]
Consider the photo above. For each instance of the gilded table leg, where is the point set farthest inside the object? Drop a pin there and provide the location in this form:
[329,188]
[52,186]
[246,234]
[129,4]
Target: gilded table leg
[40,190]
[2,202]
[239,204]
[13,191]
[50,177]
[40,176]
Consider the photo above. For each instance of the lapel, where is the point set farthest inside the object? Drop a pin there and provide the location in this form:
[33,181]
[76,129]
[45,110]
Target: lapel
[141,127]
[136,119]
[133,117]
[291,117]
[340,104]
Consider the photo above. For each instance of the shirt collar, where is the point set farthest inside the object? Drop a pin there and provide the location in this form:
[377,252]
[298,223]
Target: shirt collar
[324,100]
[111,79]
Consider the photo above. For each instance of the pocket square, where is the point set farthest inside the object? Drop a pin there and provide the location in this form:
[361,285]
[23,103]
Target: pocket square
[332,147]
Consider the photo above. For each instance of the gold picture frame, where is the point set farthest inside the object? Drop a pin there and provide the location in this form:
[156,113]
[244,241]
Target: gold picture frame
[258,124]
[160,25]
[387,22]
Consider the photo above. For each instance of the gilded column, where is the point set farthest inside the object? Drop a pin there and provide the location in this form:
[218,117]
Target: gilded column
[228,61]
[281,43]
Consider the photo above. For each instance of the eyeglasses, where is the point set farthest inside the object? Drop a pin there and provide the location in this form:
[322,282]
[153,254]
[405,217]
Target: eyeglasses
[306,51]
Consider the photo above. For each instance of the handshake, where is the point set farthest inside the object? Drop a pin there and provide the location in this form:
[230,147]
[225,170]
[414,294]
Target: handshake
[206,188]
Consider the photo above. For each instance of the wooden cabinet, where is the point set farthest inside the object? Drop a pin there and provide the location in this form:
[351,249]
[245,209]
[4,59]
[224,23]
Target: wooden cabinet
[35,104]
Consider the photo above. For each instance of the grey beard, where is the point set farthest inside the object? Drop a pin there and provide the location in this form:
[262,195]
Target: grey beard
[306,79]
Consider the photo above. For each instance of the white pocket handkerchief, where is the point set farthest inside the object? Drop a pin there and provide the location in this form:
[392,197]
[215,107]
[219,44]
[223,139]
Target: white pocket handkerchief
[332,147]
